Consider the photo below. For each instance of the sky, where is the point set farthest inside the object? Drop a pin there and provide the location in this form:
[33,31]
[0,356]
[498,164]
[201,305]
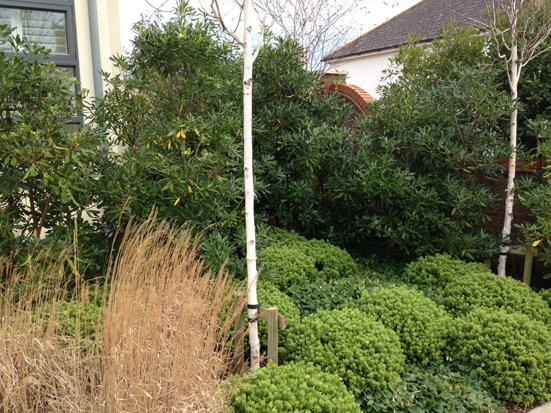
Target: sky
[130,11]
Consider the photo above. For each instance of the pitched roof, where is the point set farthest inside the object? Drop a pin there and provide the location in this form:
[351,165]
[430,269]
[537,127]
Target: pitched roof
[423,19]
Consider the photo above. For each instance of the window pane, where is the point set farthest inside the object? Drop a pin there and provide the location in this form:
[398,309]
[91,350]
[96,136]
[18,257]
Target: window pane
[44,28]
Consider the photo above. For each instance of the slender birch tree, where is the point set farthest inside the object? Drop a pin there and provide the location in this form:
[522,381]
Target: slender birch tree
[518,29]
[248,9]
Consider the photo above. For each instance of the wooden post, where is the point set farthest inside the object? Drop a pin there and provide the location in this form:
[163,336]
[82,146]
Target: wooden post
[528,260]
[488,263]
[273,335]
[239,328]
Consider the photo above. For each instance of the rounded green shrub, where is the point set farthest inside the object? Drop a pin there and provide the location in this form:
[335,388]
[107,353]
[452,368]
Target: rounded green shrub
[421,325]
[349,343]
[546,296]
[72,319]
[296,387]
[510,350]
[285,236]
[332,262]
[87,316]
[436,271]
[269,296]
[489,290]
[287,266]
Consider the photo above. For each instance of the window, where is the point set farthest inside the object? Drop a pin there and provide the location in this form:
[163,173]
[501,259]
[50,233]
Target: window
[49,23]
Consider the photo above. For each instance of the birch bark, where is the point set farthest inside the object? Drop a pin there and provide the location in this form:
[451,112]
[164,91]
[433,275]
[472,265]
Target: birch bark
[249,57]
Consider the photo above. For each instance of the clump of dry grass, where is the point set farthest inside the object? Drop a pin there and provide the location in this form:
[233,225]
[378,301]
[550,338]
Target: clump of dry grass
[164,345]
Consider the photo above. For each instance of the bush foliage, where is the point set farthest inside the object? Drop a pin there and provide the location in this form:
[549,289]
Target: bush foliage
[436,271]
[437,387]
[296,387]
[269,296]
[349,343]
[327,295]
[421,325]
[487,290]
[287,266]
[509,349]
[294,260]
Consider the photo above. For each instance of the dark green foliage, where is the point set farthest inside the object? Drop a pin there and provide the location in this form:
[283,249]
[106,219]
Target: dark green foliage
[436,271]
[535,195]
[176,108]
[421,325]
[269,296]
[437,387]
[434,133]
[296,387]
[473,290]
[510,350]
[298,137]
[349,343]
[48,173]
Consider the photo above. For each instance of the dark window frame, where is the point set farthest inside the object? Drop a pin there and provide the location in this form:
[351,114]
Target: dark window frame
[69,60]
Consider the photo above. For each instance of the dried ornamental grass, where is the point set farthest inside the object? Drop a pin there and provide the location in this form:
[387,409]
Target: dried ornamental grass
[163,345]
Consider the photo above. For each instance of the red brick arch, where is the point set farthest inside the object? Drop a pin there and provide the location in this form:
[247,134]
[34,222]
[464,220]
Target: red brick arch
[356,96]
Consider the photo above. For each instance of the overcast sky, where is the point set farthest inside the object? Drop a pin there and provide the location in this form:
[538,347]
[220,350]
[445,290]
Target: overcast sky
[377,12]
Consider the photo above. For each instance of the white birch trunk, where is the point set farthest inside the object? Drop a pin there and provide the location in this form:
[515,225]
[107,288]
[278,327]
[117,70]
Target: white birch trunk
[510,195]
[249,183]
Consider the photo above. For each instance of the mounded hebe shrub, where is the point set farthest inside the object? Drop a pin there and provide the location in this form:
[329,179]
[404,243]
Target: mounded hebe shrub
[436,271]
[421,325]
[489,290]
[349,343]
[510,350]
[331,261]
[269,296]
[546,296]
[287,266]
[285,236]
[296,387]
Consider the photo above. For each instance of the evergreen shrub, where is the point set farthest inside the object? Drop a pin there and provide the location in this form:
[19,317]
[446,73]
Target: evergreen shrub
[286,265]
[349,343]
[436,271]
[509,349]
[286,236]
[269,296]
[296,387]
[546,296]
[420,323]
[490,291]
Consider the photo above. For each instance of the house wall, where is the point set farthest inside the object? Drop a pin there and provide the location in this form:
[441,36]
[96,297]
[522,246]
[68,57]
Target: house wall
[110,39]
[366,70]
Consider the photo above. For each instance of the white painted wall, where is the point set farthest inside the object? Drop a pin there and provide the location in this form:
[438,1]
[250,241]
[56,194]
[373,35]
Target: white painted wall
[366,70]
[110,38]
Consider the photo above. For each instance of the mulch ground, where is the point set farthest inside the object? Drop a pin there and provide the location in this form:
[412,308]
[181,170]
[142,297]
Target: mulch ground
[513,408]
